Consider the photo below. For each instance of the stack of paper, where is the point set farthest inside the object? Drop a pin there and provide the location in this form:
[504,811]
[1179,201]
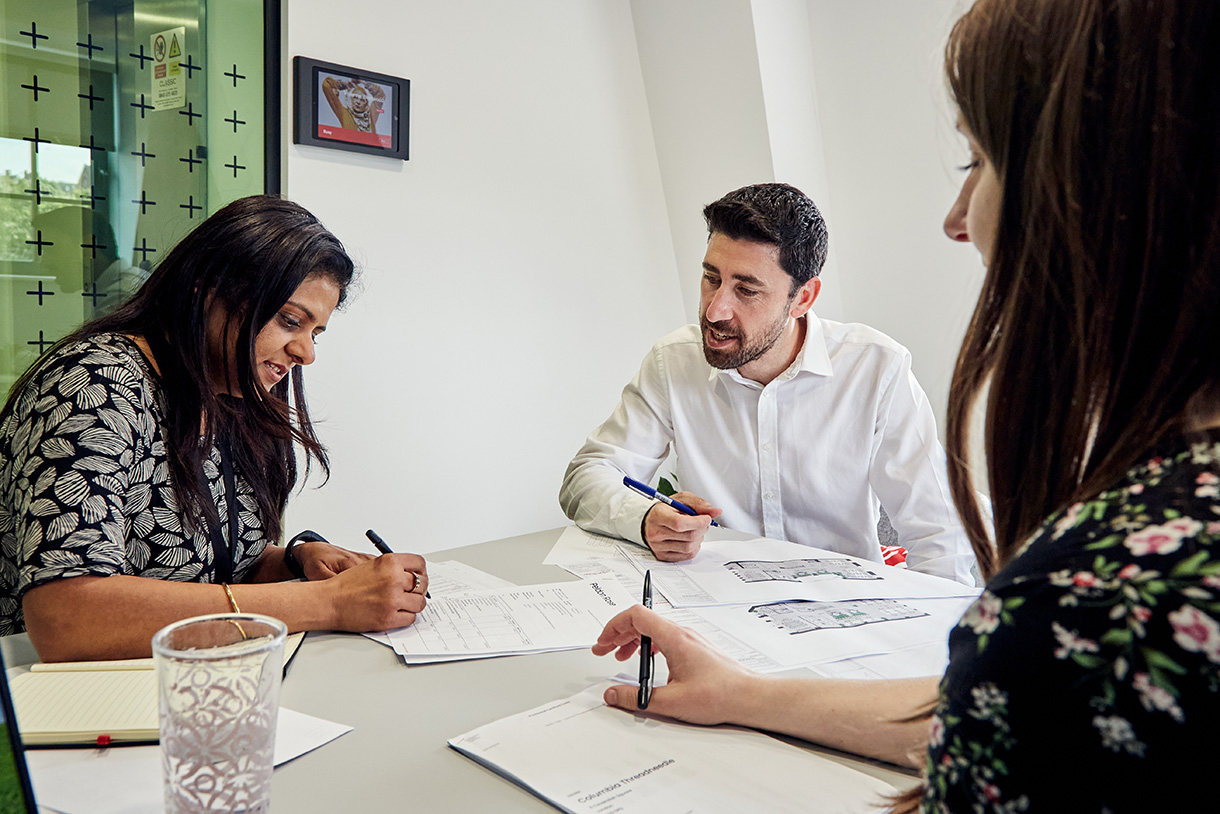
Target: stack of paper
[774,605]
[509,621]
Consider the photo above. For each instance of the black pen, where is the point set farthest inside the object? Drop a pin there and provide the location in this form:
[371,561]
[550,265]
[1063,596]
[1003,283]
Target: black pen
[380,545]
[646,651]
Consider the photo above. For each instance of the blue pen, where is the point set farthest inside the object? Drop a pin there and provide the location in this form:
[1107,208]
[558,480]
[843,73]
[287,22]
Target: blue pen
[648,491]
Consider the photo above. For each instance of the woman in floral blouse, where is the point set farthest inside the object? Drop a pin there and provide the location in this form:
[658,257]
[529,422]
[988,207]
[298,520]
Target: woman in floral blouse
[1087,675]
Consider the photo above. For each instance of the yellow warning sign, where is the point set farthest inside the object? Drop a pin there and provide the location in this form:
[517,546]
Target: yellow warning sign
[175,50]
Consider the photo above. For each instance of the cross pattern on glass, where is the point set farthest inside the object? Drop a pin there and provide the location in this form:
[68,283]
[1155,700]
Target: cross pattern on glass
[39,243]
[36,139]
[144,108]
[36,192]
[93,245]
[190,114]
[190,206]
[144,156]
[40,293]
[190,160]
[94,295]
[93,197]
[91,97]
[36,88]
[41,343]
[35,37]
[143,201]
[142,57]
[143,249]
[90,47]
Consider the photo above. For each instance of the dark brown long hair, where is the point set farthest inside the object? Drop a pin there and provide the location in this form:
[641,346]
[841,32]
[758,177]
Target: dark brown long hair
[1096,329]
[1100,311]
[247,259]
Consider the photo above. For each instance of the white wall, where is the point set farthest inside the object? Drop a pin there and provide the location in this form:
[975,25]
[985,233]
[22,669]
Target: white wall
[891,154]
[546,229]
[517,268]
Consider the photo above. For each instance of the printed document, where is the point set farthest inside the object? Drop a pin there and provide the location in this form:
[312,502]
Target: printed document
[509,621]
[738,572]
[587,758]
[802,633]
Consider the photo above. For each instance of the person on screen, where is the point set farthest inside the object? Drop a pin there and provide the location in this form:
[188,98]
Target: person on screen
[356,104]
[796,427]
[1087,675]
[146,459]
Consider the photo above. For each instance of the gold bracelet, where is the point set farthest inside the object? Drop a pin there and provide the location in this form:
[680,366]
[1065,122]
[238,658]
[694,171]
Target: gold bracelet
[233,604]
[232,601]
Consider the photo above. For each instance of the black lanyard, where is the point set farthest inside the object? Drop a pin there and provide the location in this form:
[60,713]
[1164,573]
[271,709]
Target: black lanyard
[222,549]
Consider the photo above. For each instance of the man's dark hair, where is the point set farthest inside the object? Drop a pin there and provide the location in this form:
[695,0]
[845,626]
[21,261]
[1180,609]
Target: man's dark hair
[777,214]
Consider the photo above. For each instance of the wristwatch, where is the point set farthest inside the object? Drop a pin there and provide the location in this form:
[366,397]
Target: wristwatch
[290,561]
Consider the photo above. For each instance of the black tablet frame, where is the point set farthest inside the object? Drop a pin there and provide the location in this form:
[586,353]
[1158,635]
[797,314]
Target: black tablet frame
[307,90]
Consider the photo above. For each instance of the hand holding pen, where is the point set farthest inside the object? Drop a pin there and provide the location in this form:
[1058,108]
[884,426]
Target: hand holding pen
[381,546]
[674,531]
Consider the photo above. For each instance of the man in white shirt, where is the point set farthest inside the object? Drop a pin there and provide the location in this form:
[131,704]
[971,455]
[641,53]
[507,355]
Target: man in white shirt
[783,425]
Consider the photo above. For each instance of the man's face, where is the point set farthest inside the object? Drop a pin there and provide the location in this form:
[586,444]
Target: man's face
[744,302]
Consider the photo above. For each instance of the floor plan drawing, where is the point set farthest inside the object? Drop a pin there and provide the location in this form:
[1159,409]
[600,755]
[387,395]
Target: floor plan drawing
[749,571]
[803,616]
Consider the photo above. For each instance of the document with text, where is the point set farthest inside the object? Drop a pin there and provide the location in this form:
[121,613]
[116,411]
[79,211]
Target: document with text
[510,621]
[587,758]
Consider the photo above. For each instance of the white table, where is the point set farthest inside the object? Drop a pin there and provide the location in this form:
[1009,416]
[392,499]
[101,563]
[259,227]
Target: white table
[397,757]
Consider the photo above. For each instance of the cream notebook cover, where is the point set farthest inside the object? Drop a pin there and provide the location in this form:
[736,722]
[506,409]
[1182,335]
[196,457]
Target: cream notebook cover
[93,702]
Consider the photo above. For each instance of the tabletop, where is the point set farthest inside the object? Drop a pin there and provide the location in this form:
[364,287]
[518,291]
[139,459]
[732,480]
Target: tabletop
[397,755]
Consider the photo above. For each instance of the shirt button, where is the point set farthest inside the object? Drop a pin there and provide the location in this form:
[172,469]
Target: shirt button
[769,495]
[767,447]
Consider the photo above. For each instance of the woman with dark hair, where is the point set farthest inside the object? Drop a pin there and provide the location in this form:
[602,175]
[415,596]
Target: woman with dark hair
[146,459]
[1087,675]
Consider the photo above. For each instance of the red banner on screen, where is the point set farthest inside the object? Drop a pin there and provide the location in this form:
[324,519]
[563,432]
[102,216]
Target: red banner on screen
[354,136]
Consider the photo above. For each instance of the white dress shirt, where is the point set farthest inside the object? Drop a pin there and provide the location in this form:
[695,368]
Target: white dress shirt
[806,458]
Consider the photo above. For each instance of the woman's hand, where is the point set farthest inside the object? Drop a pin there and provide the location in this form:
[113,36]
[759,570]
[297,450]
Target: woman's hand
[379,593]
[704,686]
[322,560]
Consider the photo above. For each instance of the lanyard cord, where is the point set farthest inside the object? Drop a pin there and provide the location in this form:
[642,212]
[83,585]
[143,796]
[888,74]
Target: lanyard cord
[222,549]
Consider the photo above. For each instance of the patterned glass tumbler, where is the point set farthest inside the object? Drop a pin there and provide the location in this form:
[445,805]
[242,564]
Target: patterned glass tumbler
[218,682]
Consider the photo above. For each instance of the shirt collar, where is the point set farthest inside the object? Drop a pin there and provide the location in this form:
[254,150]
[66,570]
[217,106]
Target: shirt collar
[813,358]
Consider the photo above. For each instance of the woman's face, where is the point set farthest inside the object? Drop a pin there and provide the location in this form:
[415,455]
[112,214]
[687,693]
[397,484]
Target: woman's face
[976,212]
[286,340]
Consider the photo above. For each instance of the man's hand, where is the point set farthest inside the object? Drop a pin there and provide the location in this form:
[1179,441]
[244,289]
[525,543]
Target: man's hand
[674,536]
[704,684]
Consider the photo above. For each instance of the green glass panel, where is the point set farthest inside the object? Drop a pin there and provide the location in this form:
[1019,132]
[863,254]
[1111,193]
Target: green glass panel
[122,126]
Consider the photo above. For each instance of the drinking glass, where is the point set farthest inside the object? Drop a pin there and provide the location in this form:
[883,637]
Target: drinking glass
[218,680]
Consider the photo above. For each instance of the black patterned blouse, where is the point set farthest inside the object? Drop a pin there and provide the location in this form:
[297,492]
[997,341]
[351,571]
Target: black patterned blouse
[1087,676]
[85,484]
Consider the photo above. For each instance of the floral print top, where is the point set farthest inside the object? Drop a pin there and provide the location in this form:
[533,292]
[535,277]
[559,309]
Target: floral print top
[1086,678]
[85,485]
